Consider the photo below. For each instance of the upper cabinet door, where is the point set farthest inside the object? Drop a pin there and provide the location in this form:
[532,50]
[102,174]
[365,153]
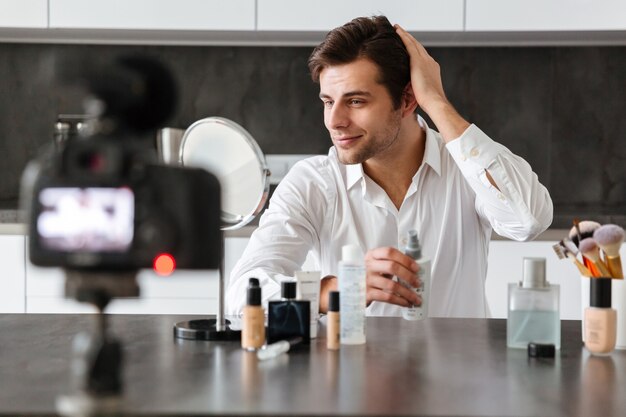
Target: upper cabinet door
[545,15]
[24,13]
[324,15]
[153,14]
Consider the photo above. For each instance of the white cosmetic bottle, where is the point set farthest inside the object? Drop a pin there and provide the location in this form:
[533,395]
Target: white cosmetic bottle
[414,250]
[352,296]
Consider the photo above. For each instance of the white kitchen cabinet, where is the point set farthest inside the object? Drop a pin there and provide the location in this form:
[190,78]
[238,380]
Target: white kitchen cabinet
[12,279]
[324,15]
[26,288]
[153,14]
[23,13]
[545,15]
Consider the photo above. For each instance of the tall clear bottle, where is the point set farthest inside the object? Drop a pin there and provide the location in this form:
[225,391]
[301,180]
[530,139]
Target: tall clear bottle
[414,250]
[533,308]
[352,295]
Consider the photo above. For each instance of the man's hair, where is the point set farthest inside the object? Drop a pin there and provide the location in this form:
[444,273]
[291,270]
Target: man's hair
[373,38]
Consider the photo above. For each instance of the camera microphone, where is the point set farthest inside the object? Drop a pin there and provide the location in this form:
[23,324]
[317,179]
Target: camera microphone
[133,94]
[139,93]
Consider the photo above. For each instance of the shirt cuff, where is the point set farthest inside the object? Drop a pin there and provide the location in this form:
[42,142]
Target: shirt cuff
[474,150]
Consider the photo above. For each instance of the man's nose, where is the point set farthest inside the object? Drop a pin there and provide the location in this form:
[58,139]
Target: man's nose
[337,117]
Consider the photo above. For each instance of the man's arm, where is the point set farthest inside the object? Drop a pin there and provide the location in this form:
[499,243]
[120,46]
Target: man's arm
[509,194]
[381,265]
[428,89]
[288,230]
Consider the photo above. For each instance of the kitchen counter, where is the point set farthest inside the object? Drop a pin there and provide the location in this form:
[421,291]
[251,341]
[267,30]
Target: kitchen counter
[449,367]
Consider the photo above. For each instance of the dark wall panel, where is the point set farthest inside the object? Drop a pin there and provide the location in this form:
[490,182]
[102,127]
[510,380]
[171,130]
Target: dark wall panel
[561,108]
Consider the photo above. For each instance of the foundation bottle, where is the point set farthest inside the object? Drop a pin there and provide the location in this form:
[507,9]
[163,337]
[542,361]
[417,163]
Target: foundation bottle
[332,324]
[600,318]
[253,328]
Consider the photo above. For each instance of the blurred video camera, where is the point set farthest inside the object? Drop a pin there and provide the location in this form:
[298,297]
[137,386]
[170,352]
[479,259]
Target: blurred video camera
[101,201]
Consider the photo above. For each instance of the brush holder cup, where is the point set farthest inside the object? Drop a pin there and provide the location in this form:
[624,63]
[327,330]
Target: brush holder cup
[618,302]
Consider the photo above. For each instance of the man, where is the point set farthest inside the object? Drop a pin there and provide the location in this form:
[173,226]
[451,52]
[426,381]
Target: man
[388,173]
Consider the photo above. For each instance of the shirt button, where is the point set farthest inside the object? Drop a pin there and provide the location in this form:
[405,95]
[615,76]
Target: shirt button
[463,157]
[501,196]
[474,152]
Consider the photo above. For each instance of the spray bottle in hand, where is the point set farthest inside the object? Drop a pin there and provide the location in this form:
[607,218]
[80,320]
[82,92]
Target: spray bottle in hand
[414,250]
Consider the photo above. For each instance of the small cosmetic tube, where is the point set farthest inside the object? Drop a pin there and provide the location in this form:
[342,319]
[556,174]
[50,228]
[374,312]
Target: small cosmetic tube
[600,318]
[309,289]
[332,323]
[288,318]
[253,326]
[278,348]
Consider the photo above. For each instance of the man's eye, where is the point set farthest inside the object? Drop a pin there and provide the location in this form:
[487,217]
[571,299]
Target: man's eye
[355,101]
[328,104]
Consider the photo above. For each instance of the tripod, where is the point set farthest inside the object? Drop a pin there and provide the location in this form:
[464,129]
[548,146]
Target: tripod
[96,370]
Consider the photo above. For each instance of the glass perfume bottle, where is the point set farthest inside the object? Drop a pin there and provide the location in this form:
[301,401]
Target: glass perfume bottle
[288,318]
[533,308]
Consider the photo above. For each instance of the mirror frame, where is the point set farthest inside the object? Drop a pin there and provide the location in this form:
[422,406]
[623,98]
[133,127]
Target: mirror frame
[235,221]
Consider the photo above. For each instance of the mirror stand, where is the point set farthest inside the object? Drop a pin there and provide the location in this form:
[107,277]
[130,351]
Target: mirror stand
[210,329]
[226,149]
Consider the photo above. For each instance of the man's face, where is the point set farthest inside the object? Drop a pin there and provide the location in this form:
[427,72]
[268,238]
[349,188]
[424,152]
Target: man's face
[358,111]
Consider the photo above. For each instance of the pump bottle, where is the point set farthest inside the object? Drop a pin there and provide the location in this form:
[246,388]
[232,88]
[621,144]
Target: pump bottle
[414,250]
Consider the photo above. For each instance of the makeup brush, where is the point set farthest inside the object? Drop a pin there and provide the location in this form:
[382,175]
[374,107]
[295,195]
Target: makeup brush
[570,246]
[610,237]
[562,252]
[582,230]
[590,250]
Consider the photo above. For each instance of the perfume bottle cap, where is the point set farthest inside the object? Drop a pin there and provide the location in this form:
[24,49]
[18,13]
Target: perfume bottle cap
[288,290]
[253,282]
[534,273]
[540,350]
[253,296]
[333,301]
[600,292]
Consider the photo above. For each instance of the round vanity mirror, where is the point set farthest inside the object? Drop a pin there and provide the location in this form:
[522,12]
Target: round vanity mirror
[227,150]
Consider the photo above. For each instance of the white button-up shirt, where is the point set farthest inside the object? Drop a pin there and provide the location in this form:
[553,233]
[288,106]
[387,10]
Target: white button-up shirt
[322,205]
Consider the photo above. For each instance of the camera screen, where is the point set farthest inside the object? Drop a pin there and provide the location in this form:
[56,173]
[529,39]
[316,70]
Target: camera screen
[86,219]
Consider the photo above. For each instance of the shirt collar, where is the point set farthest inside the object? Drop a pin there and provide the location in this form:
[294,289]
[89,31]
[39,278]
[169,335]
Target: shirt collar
[432,156]
[432,151]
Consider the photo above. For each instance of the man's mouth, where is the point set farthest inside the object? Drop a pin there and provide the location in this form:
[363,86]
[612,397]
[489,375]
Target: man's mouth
[346,141]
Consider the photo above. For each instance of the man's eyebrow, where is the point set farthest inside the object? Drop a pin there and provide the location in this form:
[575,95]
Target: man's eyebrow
[349,94]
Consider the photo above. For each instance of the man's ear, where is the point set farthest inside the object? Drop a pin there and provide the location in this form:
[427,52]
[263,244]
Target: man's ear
[409,103]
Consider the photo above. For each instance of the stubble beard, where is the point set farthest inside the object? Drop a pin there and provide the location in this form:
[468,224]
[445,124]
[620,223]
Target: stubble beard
[376,144]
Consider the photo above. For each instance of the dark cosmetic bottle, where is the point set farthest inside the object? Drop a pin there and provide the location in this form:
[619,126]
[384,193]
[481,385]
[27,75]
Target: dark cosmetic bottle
[288,317]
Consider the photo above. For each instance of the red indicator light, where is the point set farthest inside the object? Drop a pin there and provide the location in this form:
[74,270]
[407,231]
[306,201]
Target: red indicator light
[164,264]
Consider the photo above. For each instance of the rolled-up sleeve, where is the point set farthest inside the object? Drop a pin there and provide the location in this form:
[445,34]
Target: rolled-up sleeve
[520,208]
